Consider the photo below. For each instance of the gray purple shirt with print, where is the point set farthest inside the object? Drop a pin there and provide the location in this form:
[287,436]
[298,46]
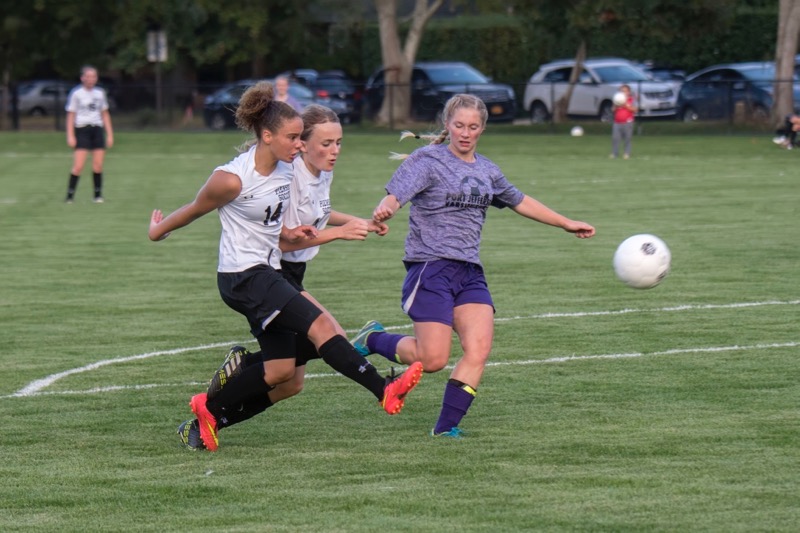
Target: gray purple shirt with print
[449,199]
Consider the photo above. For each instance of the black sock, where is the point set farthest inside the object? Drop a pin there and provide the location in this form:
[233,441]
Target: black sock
[246,411]
[252,358]
[247,386]
[73,184]
[98,184]
[342,357]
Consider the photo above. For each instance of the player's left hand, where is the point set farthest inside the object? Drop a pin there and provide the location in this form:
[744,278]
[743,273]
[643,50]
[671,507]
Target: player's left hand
[582,230]
[378,228]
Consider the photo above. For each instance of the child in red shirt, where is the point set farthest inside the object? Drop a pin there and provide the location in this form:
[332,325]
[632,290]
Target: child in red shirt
[622,129]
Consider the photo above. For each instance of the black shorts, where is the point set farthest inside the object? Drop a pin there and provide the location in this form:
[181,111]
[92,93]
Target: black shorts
[90,138]
[294,273]
[275,311]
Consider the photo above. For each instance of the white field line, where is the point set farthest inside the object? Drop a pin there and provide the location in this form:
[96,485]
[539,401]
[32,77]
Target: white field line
[37,387]
[551,360]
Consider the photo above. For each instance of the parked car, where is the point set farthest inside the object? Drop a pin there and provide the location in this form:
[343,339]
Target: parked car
[593,93]
[434,82]
[219,108]
[333,84]
[666,73]
[43,97]
[714,92]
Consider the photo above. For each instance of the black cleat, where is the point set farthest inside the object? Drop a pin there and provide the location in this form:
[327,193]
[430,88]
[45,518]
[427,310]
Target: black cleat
[230,368]
[189,433]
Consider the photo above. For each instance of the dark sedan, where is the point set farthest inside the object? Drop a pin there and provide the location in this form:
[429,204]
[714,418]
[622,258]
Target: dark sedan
[334,84]
[714,92]
[433,83]
[219,108]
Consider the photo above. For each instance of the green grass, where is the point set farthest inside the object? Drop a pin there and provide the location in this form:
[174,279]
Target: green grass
[605,408]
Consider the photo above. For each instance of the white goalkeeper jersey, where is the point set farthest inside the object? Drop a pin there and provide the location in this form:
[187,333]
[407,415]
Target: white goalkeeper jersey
[251,224]
[310,205]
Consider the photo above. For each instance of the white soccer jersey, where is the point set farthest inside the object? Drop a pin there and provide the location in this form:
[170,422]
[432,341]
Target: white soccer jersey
[251,224]
[311,205]
[88,106]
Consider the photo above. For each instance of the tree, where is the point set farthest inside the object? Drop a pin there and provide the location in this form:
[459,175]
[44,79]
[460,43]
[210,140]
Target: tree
[785,50]
[398,60]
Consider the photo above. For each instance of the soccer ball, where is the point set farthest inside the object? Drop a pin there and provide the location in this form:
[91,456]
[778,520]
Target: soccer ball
[577,131]
[642,261]
[620,98]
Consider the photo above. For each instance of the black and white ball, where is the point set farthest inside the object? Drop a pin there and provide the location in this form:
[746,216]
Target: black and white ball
[642,261]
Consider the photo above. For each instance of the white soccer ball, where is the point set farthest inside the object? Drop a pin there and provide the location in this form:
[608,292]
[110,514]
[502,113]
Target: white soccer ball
[620,98]
[642,261]
[577,131]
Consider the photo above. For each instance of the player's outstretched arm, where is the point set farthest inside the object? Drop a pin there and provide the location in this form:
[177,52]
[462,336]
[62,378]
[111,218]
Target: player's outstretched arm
[220,189]
[536,210]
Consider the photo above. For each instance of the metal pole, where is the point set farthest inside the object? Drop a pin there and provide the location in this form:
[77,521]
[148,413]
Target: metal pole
[158,92]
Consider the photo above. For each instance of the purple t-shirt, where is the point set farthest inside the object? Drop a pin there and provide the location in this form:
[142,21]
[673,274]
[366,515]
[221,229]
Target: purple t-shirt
[449,199]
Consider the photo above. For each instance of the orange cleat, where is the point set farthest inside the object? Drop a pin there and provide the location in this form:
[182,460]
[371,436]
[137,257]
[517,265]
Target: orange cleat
[208,424]
[394,395]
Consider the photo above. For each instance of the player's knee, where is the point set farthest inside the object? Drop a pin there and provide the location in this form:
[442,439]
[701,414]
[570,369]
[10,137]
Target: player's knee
[294,388]
[321,330]
[434,362]
[279,375]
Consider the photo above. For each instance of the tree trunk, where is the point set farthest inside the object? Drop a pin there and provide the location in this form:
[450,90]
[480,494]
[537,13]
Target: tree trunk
[398,61]
[785,50]
[560,108]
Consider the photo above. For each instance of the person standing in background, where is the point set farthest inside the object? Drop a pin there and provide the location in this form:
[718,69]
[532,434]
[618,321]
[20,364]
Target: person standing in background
[88,129]
[622,129]
[282,94]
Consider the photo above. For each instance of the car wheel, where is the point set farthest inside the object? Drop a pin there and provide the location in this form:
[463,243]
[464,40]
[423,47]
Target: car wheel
[217,122]
[37,112]
[606,112]
[688,114]
[539,114]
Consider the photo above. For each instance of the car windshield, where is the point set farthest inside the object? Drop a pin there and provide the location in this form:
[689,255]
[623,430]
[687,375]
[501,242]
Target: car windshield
[620,73]
[25,88]
[460,74]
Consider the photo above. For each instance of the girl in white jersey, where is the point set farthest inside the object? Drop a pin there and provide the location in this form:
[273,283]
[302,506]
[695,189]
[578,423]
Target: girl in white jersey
[251,194]
[450,186]
[310,206]
[88,130]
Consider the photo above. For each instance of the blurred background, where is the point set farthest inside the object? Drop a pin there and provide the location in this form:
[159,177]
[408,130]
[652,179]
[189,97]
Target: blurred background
[183,63]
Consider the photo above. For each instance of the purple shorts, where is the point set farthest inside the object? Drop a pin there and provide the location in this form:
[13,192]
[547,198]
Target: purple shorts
[433,289]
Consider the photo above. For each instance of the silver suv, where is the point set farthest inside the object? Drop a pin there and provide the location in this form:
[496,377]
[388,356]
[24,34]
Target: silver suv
[43,97]
[596,86]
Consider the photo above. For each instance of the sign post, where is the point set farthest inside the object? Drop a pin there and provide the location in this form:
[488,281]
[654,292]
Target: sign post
[157,53]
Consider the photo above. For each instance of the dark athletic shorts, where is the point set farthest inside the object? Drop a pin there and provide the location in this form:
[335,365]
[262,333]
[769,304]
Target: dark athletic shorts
[294,273]
[433,289]
[90,138]
[275,310]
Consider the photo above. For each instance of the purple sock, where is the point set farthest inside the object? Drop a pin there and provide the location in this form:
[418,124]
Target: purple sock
[384,344]
[455,404]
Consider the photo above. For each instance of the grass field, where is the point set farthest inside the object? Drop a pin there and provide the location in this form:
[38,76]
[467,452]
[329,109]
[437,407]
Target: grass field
[604,408]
